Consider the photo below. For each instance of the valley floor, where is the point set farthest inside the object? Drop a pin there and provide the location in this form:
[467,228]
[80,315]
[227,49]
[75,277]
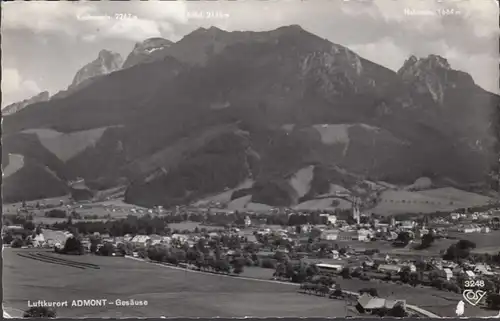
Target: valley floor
[169,292]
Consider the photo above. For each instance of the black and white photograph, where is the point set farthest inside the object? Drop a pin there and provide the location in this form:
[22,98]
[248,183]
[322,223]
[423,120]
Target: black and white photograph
[281,158]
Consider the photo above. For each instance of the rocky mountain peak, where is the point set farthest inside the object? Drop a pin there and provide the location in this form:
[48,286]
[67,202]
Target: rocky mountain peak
[428,75]
[143,51]
[414,66]
[15,107]
[105,63]
[211,32]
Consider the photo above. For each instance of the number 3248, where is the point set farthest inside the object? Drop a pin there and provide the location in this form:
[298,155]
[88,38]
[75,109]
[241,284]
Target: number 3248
[474,283]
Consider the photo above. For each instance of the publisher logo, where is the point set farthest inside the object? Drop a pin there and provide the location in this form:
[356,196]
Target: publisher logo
[474,296]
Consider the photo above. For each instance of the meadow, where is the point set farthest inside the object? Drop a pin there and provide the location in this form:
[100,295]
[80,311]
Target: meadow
[428,201]
[439,302]
[169,292]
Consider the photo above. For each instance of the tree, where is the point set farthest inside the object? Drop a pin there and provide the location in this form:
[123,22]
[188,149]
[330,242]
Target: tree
[427,241]
[7,238]
[459,250]
[370,291]
[397,311]
[346,273]
[29,225]
[17,243]
[403,239]
[493,301]
[73,246]
[238,265]
[107,249]
[223,265]
[404,274]
[39,312]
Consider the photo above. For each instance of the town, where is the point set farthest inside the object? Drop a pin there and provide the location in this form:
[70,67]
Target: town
[327,253]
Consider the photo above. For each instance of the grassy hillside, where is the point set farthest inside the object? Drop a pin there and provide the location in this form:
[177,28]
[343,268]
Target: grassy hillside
[33,181]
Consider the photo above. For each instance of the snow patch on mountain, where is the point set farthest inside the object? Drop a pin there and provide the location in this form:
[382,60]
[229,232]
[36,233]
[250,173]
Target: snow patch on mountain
[146,50]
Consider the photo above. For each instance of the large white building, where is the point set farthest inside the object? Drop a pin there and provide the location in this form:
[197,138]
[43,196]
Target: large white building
[331,218]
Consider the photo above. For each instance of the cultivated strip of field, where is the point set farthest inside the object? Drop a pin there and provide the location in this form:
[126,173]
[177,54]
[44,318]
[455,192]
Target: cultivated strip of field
[43,257]
[16,162]
[63,260]
[28,256]
[67,145]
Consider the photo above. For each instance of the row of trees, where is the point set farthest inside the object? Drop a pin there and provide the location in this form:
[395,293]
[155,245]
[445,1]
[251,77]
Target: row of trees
[196,257]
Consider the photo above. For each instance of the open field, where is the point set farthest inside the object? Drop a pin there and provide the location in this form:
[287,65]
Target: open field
[192,225]
[485,242]
[169,292]
[112,208]
[323,204]
[439,302]
[440,199]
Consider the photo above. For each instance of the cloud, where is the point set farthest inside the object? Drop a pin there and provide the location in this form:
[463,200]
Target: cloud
[384,52]
[130,21]
[15,88]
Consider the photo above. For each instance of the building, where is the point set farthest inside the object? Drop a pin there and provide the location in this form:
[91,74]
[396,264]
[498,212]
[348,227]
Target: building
[330,235]
[483,269]
[39,240]
[446,274]
[140,240]
[13,228]
[389,268]
[248,221]
[370,304]
[330,218]
[155,239]
[356,215]
[348,236]
[407,225]
[364,235]
[470,274]
[329,268]
[180,237]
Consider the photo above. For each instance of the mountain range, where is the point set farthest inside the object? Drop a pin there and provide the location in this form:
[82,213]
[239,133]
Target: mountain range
[275,118]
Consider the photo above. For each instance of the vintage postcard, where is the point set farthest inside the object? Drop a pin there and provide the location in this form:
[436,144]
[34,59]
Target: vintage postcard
[280,158]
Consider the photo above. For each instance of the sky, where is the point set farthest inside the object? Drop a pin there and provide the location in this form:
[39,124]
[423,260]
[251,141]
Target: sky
[44,44]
